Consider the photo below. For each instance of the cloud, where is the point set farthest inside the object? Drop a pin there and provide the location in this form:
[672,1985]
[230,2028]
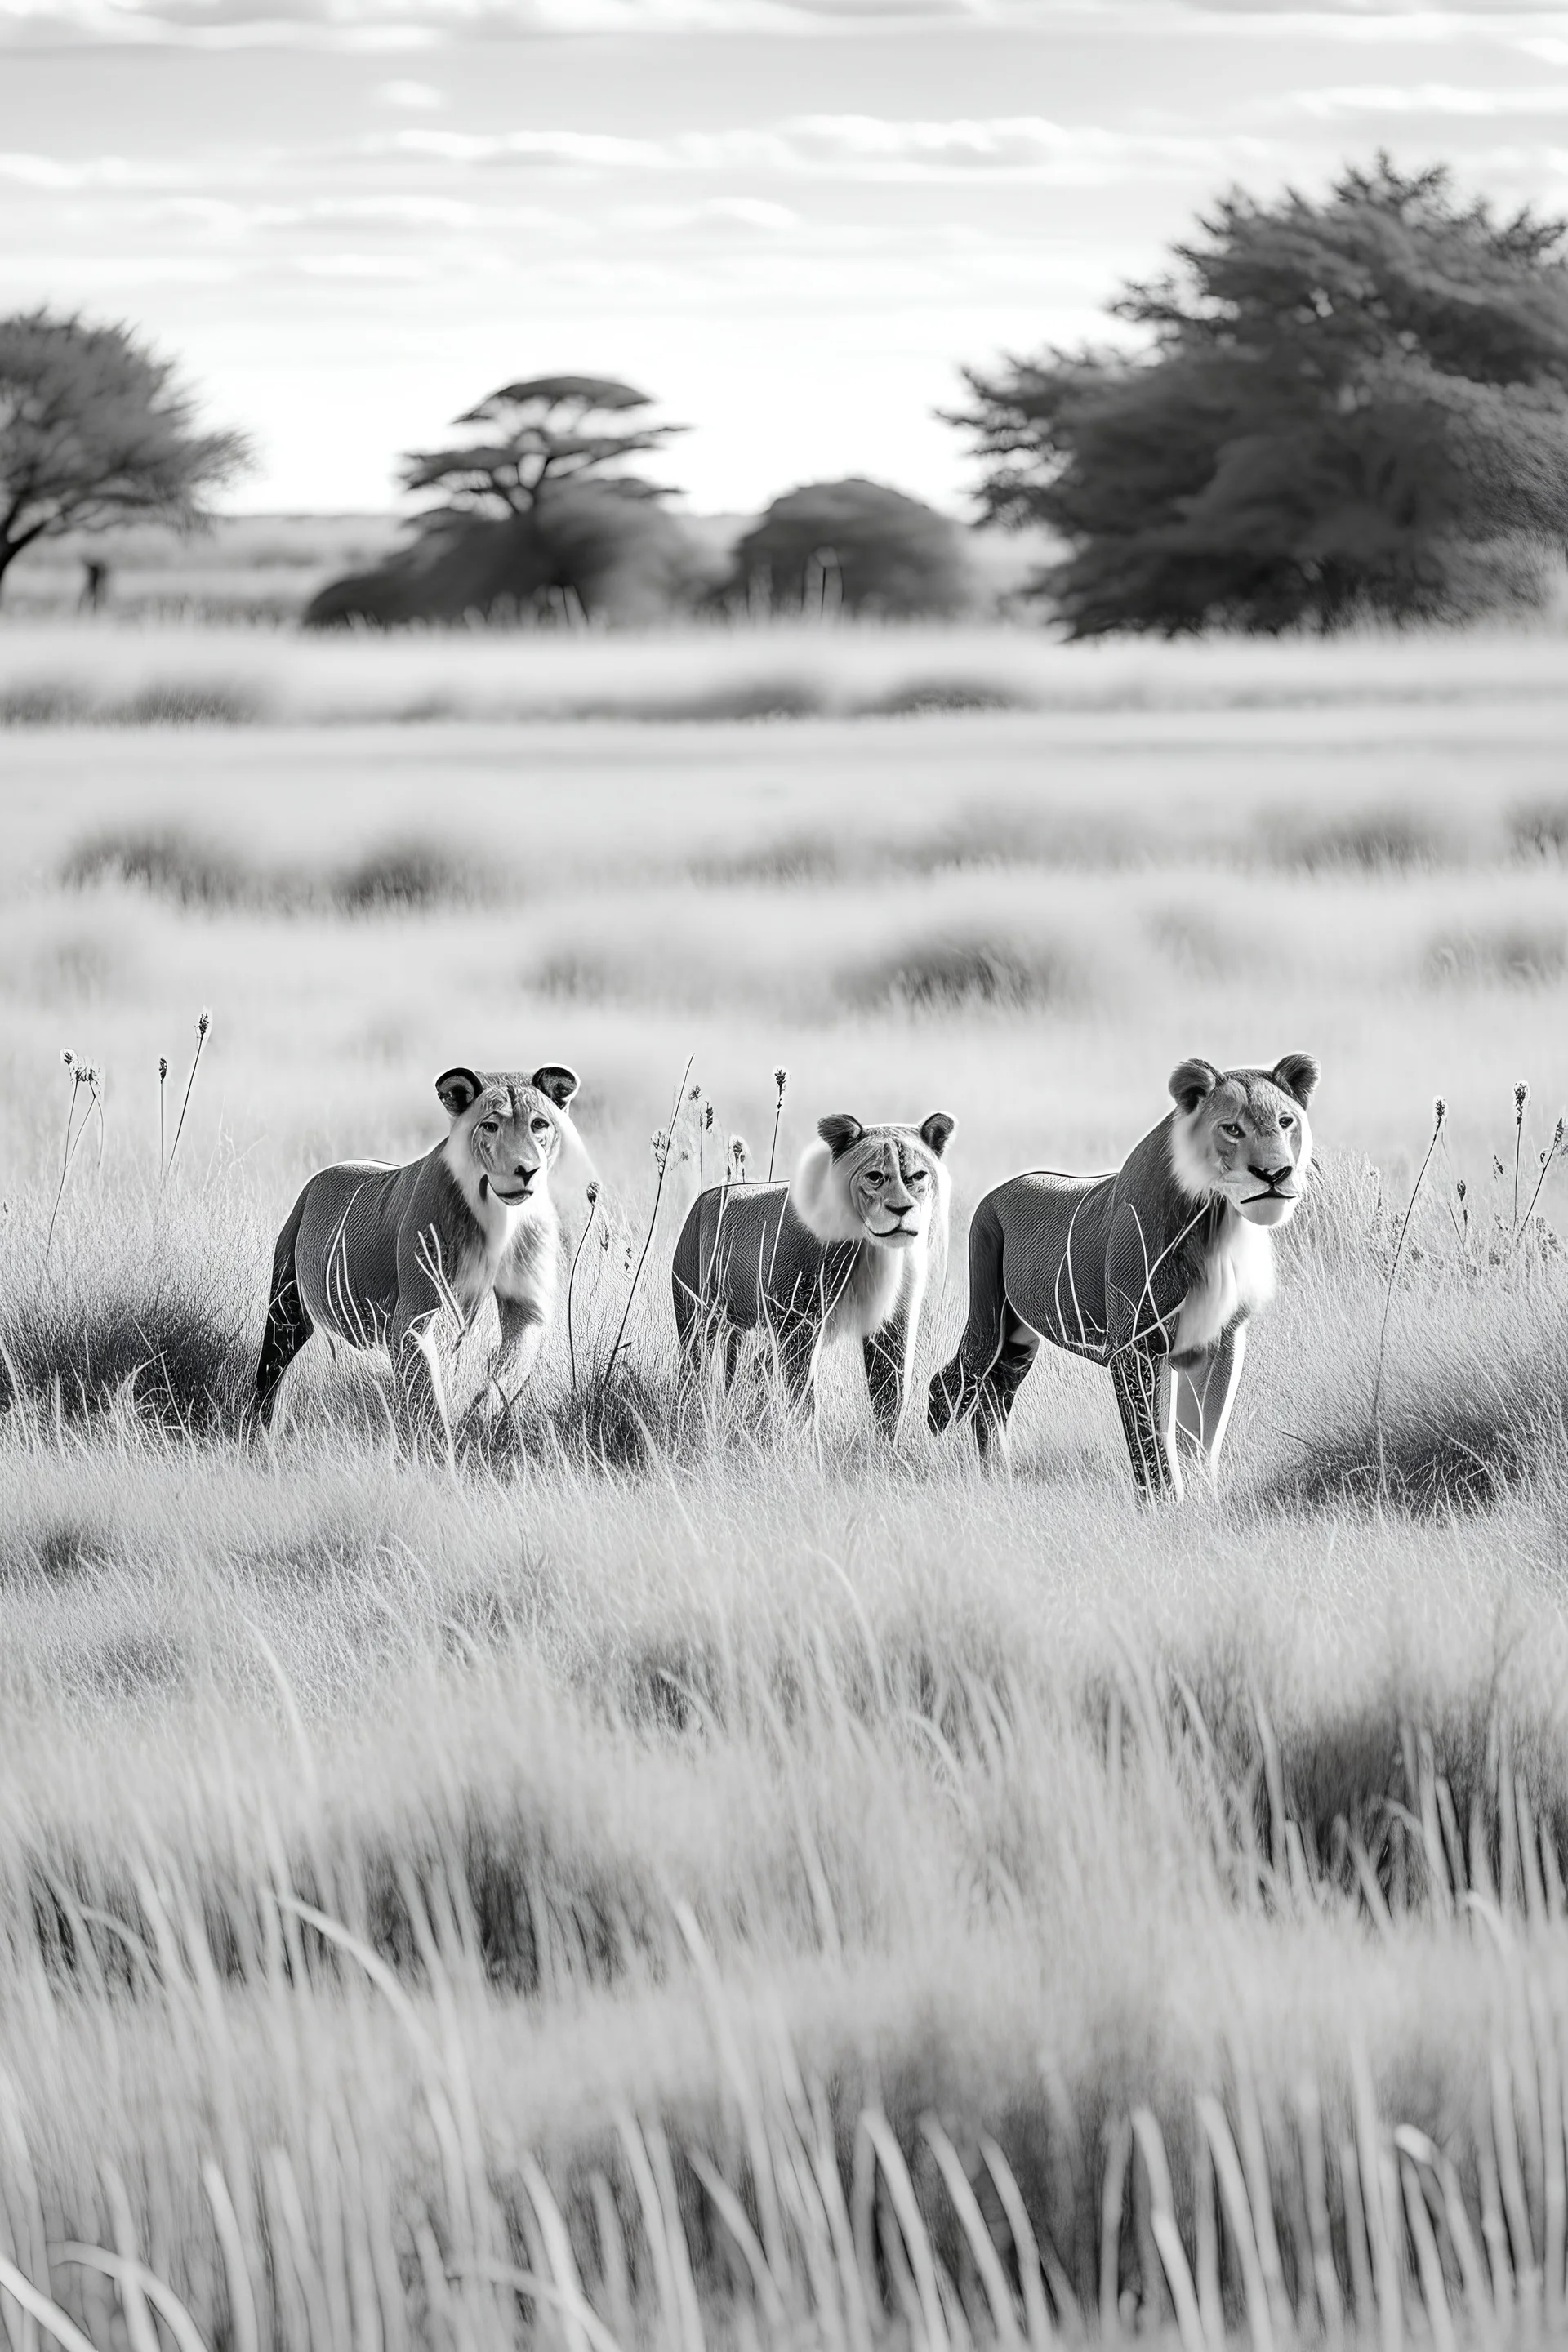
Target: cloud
[861,147]
[374,26]
[1432,98]
[413,94]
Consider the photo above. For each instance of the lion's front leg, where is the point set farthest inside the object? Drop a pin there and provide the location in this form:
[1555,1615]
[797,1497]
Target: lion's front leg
[418,1356]
[523,1330]
[1146,1401]
[1205,1391]
[887,1353]
[796,1339]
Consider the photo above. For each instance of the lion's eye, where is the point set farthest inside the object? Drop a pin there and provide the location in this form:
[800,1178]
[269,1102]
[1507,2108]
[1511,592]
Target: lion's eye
[490,1127]
[873,1179]
[541,1125]
[1233,1127]
[918,1176]
[1286,1119]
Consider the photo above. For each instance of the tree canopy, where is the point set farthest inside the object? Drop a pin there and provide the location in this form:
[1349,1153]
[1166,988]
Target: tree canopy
[871,549]
[542,434]
[537,514]
[96,430]
[1357,405]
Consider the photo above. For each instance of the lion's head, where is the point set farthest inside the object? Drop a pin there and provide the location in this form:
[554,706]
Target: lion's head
[508,1127]
[1242,1135]
[883,1184]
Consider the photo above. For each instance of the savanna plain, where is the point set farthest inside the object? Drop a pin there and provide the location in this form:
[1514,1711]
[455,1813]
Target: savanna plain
[644,1874]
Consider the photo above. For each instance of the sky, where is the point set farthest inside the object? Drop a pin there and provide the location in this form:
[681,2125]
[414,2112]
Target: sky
[789,221]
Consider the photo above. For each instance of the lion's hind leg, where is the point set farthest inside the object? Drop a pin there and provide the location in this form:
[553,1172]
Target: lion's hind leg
[956,1390]
[288,1323]
[999,1389]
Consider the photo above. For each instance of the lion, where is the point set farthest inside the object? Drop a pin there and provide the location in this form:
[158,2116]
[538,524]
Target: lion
[844,1251]
[406,1258]
[1152,1271]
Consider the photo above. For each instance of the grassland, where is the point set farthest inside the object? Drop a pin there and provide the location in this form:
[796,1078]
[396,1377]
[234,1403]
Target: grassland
[655,1878]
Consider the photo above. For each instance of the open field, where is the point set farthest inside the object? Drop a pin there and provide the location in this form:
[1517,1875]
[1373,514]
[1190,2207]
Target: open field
[652,1879]
[114,672]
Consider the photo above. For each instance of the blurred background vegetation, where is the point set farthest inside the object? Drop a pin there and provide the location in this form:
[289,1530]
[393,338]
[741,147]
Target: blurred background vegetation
[1337,410]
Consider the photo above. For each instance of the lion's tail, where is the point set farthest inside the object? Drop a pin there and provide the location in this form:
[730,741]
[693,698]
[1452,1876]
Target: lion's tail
[955,1389]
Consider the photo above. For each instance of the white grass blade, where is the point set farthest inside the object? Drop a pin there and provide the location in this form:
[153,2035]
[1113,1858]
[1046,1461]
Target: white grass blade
[1167,2236]
[993,2278]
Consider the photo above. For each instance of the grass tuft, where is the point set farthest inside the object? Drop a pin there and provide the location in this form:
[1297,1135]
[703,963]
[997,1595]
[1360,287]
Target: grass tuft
[1514,955]
[1375,840]
[131,1316]
[167,861]
[44,702]
[404,877]
[952,974]
[175,702]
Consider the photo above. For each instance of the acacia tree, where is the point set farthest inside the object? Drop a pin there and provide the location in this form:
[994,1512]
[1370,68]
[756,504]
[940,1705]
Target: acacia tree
[536,509]
[548,432]
[96,430]
[1356,405]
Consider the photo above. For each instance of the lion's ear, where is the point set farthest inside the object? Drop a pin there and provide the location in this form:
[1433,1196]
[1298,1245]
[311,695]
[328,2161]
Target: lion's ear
[1192,1082]
[838,1131]
[935,1131]
[1298,1075]
[556,1080]
[457,1089]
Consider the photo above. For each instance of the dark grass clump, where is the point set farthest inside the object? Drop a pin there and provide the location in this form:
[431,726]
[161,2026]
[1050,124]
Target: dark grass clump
[1425,1462]
[165,861]
[63,1546]
[930,696]
[745,697]
[1012,837]
[176,703]
[44,702]
[624,1420]
[403,878]
[956,974]
[137,1315]
[1540,832]
[1512,955]
[794,861]
[190,870]
[1373,840]
[178,1362]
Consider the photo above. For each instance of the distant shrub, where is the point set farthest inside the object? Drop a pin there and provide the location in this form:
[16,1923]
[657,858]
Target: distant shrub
[1517,955]
[928,697]
[169,862]
[852,546]
[1195,944]
[1371,842]
[164,860]
[177,703]
[743,697]
[44,702]
[1541,831]
[575,973]
[1015,837]
[801,857]
[952,973]
[588,549]
[403,875]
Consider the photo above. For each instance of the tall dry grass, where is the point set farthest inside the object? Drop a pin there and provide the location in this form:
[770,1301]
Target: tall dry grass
[148,673]
[652,1876]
